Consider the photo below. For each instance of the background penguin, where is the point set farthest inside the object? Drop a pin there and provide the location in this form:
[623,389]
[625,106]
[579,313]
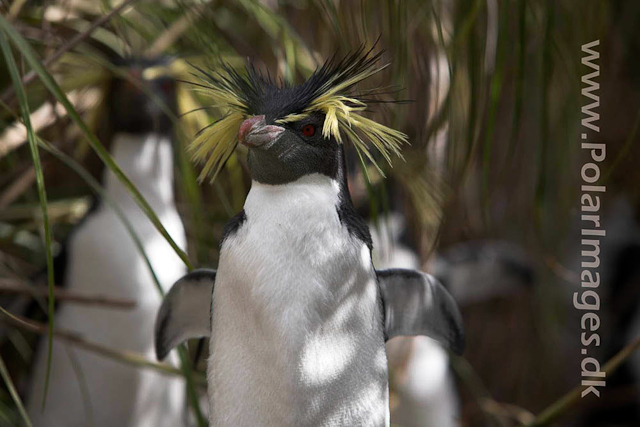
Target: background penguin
[299,314]
[473,272]
[422,385]
[422,382]
[101,258]
[422,379]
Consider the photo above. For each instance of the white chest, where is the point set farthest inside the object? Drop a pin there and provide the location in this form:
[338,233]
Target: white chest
[297,334]
[105,260]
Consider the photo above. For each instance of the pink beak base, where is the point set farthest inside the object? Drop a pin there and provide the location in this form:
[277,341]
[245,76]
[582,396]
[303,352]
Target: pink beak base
[254,132]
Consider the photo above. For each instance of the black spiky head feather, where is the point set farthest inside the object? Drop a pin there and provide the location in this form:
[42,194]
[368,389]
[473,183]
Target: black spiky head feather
[329,90]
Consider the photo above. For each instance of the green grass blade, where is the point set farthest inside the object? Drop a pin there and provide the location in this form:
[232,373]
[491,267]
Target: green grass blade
[622,154]
[192,396]
[82,384]
[495,92]
[188,182]
[42,195]
[32,59]
[546,163]
[14,394]
[521,52]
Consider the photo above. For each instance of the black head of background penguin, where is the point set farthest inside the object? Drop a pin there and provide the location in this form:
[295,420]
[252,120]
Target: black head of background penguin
[140,102]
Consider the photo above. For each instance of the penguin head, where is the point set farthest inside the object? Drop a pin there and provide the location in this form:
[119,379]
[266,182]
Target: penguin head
[139,101]
[294,130]
[281,153]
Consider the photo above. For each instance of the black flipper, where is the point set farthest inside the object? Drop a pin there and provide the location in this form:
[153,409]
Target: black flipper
[416,303]
[185,312]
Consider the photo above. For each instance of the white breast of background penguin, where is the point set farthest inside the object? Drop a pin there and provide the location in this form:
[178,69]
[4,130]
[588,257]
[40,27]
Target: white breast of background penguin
[296,316]
[107,262]
[111,263]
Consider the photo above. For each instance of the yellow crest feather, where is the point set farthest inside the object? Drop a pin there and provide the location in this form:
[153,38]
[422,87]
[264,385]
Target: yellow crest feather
[215,144]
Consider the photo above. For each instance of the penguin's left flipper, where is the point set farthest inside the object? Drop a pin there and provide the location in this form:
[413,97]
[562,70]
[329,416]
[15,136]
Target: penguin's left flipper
[416,303]
[185,312]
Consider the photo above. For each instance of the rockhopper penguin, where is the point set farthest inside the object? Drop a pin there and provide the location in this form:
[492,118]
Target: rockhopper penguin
[298,316]
[102,259]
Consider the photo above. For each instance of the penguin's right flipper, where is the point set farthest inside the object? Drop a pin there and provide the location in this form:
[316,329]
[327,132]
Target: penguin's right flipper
[416,303]
[185,312]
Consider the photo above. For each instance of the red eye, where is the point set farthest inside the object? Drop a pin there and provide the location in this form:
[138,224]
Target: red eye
[308,130]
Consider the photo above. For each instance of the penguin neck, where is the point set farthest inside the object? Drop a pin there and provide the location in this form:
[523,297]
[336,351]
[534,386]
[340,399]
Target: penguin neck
[313,194]
[333,176]
[331,187]
[315,190]
[147,160]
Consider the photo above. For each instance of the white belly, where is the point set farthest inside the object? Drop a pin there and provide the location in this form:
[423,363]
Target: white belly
[104,260]
[297,331]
